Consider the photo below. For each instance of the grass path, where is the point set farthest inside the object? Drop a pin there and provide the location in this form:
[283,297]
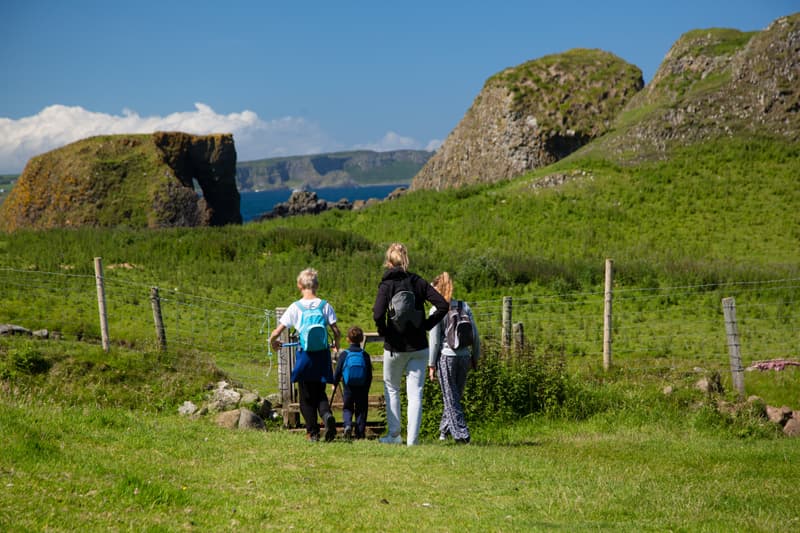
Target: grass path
[117,470]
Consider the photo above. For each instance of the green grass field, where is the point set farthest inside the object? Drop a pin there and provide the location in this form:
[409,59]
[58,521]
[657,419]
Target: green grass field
[88,469]
[91,441]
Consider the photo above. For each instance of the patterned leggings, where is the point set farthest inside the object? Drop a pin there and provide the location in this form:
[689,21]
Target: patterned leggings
[453,378]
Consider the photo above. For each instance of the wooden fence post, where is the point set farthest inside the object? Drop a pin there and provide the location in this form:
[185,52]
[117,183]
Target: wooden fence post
[519,337]
[607,315]
[734,352]
[506,332]
[161,335]
[285,365]
[101,301]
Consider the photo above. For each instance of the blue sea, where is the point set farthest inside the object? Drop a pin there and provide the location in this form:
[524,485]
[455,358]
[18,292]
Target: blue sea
[254,204]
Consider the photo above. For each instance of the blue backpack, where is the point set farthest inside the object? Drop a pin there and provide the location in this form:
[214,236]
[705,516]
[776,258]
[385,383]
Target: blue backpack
[313,328]
[354,371]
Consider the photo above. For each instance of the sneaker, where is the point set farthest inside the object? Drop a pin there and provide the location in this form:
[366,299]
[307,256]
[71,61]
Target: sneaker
[442,436]
[330,428]
[388,439]
[348,433]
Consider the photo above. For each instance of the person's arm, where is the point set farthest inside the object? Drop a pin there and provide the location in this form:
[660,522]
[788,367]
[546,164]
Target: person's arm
[368,359]
[434,350]
[286,320]
[336,336]
[330,317]
[438,301]
[379,309]
[273,337]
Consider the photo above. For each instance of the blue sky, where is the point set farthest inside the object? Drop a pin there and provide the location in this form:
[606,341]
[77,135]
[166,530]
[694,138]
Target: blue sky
[290,78]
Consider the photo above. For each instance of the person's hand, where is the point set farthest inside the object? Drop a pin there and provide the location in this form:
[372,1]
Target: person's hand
[275,343]
[431,373]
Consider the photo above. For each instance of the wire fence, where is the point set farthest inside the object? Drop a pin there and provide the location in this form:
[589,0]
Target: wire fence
[677,327]
[233,334]
[654,329]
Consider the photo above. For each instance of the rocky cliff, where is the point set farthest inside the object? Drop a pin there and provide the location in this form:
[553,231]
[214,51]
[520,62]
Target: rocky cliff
[532,115]
[715,82]
[130,180]
[339,169]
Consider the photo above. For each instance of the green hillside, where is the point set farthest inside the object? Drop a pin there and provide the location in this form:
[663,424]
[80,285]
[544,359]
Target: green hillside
[719,211]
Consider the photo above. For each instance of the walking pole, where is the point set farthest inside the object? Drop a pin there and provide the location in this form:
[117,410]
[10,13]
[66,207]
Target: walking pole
[333,394]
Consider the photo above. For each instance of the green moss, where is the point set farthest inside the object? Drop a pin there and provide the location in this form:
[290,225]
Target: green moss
[578,89]
[716,42]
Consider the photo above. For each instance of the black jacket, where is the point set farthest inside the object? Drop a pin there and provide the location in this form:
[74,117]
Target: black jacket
[414,339]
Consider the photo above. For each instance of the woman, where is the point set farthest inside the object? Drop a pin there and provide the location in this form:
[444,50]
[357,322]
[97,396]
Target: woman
[453,362]
[399,316]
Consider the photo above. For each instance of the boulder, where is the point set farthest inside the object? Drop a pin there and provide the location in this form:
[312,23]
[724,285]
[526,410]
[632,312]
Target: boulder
[12,329]
[779,415]
[224,398]
[228,419]
[188,408]
[249,420]
[792,427]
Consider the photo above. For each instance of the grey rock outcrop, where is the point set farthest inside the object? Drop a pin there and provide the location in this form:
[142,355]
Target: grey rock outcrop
[532,115]
[716,82]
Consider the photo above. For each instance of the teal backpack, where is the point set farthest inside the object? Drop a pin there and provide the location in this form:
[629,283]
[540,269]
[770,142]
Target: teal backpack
[313,328]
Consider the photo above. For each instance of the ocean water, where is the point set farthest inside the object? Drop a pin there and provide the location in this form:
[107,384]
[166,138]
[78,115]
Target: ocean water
[254,204]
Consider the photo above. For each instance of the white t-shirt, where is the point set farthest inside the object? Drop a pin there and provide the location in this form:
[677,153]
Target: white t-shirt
[291,317]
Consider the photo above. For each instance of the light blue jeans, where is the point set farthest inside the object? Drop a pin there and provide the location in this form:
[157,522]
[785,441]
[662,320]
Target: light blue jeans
[413,365]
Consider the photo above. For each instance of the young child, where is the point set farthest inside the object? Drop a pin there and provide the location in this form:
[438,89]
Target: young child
[354,370]
[311,316]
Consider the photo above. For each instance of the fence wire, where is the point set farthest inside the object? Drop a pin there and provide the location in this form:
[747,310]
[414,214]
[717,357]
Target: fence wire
[653,328]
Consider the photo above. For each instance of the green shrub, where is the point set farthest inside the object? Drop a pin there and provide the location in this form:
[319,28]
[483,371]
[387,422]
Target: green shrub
[27,360]
[503,389]
[482,271]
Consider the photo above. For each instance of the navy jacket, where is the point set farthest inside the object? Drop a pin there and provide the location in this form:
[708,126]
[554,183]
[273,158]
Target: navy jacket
[337,376]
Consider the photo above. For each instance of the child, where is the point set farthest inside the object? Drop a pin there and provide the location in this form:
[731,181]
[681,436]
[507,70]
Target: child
[354,369]
[310,316]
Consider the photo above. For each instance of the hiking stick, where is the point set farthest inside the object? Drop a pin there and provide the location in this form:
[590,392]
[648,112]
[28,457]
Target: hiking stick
[333,394]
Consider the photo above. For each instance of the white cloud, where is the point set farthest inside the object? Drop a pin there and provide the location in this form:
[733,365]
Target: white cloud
[255,138]
[394,141]
[57,125]
[433,145]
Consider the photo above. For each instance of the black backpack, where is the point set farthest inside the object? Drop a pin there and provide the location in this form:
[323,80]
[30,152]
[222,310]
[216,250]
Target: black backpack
[403,310]
[458,327]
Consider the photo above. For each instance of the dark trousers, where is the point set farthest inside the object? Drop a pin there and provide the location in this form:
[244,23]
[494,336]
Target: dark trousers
[356,401]
[313,399]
